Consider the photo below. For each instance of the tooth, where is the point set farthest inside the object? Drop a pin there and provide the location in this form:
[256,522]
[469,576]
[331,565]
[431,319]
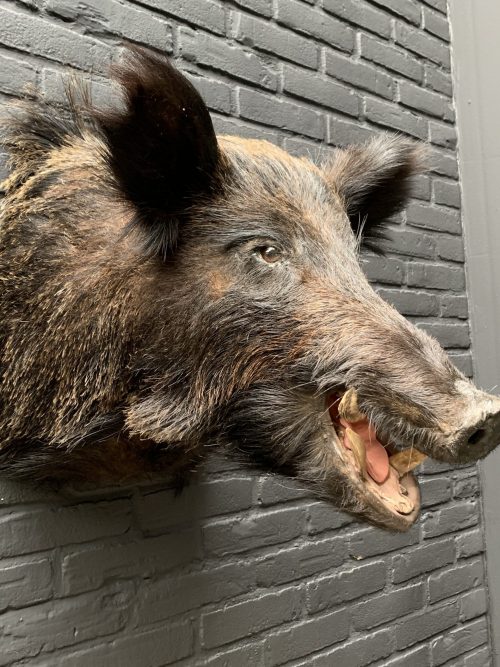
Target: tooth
[358,449]
[406,460]
[348,406]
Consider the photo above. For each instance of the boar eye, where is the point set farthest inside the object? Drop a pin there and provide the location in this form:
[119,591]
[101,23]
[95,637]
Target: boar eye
[268,253]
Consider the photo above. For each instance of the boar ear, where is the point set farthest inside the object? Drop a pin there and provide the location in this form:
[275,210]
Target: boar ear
[162,149]
[374,181]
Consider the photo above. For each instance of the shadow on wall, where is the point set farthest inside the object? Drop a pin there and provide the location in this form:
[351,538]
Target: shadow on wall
[108,562]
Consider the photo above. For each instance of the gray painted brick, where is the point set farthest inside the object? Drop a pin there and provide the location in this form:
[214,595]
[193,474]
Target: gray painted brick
[172,594]
[450,519]
[277,41]
[253,531]
[321,517]
[208,14]
[160,646]
[473,604]
[407,9]
[394,117]
[480,658]
[32,34]
[262,7]
[452,582]
[422,215]
[429,102]
[410,302]
[308,20]
[436,276]
[421,626]
[60,623]
[387,607]
[437,24]
[24,583]
[454,305]
[249,654]
[331,591]
[443,135]
[421,187]
[113,17]
[422,44]
[463,361]
[435,490]
[469,543]
[417,657]
[446,193]
[393,58]
[362,651]
[439,80]
[241,128]
[444,163]
[36,530]
[273,489]
[89,568]
[217,94]
[342,132]
[249,617]
[422,559]
[300,561]
[372,542]
[282,113]
[160,510]
[440,5]
[15,74]
[361,14]
[411,243]
[459,641]
[467,487]
[385,270]
[335,96]
[304,638]
[360,74]
[210,51]
[449,334]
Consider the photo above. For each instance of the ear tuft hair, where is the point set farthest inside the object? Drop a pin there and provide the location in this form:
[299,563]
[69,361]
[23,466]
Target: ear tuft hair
[374,181]
[163,151]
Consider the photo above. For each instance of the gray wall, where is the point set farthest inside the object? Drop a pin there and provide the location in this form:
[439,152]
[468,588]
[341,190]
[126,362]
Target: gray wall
[476,59]
[248,569]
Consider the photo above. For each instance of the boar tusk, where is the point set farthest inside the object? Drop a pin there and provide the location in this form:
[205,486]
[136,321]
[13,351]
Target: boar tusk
[358,449]
[348,406]
[406,460]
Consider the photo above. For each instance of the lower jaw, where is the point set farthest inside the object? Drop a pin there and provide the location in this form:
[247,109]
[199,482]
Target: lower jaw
[390,500]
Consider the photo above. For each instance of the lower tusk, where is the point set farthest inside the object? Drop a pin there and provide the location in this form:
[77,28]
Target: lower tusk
[358,449]
[406,460]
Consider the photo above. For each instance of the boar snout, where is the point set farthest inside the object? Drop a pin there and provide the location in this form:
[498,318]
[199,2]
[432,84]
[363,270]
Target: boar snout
[478,432]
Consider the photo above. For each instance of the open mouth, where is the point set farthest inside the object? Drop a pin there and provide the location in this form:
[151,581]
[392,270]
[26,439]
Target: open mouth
[381,473]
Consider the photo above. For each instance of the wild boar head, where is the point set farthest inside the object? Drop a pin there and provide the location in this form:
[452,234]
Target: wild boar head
[165,290]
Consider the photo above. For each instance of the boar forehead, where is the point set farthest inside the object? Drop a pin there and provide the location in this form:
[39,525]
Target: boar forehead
[267,192]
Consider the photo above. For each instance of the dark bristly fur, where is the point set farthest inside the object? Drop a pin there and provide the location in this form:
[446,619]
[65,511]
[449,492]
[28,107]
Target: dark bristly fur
[164,291]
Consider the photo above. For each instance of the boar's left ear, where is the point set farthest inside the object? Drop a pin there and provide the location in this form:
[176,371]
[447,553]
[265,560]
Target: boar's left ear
[162,148]
[374,181]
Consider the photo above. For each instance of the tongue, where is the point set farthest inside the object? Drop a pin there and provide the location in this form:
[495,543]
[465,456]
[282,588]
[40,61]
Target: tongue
[377,459]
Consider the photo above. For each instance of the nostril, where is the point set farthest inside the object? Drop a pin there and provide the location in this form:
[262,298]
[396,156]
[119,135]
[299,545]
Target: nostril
[477,436]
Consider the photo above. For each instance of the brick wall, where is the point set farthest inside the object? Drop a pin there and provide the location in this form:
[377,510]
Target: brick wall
[247,569]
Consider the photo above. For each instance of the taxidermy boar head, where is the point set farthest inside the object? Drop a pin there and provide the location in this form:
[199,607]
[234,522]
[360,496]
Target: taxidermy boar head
[164,290]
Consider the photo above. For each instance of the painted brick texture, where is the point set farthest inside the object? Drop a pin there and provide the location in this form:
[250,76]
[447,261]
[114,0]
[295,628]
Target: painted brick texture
[242,568]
